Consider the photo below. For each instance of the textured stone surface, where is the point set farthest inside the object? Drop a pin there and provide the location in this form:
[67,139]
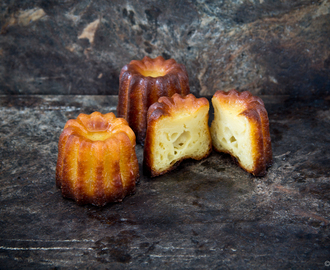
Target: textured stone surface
[79,47]
[206,214]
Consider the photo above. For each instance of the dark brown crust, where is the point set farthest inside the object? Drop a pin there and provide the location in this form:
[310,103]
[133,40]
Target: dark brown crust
[137,92]
[148,171]
[166,106]
[254,110]
[75,151]
[259,155]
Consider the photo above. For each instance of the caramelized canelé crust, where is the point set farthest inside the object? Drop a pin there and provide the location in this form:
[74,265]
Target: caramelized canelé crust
[96,161]
[177,129]
[142,83]
[241,128]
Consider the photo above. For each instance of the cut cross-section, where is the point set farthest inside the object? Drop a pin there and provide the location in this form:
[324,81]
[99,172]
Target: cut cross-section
[177,130]
[241,128]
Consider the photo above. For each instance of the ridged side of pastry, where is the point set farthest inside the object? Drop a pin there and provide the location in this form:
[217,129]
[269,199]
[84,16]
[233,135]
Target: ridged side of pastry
[97,162]
[177,130]
[142,83]
[241,128]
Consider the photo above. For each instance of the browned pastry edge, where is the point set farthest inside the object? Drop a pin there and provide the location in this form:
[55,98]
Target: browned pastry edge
[137,92]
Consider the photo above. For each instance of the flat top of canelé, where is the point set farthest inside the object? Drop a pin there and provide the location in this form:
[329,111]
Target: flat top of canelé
[157,67]
[239,101]
[99,127]
[177,104]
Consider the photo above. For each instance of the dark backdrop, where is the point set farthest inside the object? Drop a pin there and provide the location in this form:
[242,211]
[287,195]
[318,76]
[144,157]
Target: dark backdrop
[270,47]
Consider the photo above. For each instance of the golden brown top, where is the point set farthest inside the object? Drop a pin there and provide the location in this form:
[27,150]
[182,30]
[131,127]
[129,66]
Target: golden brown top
[157,67]
[98,127]
[176,104]
[240,101]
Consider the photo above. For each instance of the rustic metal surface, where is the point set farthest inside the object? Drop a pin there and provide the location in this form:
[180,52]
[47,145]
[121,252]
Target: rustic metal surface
[207,214]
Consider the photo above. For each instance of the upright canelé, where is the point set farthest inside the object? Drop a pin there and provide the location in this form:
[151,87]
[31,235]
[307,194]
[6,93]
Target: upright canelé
[142,83]
[97,163]
[241,128]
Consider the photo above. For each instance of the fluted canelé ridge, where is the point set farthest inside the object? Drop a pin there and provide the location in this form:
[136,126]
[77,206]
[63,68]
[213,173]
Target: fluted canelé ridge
[142,83]
[97,163]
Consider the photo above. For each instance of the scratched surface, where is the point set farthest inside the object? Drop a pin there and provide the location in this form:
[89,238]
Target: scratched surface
[207,214]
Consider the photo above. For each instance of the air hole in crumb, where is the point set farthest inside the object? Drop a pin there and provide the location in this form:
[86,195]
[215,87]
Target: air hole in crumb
[173,136]
[170,157]
[232,139]
[227,130]
[161,145]
[181,140]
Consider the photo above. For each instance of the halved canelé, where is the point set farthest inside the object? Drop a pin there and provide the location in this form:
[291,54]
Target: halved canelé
[97,162]
[142,83]
[177,130]
[241,128]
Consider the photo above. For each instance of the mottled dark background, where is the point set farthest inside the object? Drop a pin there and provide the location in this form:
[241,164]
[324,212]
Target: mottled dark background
[270,47]
[61,58]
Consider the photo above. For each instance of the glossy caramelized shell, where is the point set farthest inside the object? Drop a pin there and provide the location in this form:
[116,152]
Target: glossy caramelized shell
[142,83]
[97,162]
[241,128]
[177,130]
